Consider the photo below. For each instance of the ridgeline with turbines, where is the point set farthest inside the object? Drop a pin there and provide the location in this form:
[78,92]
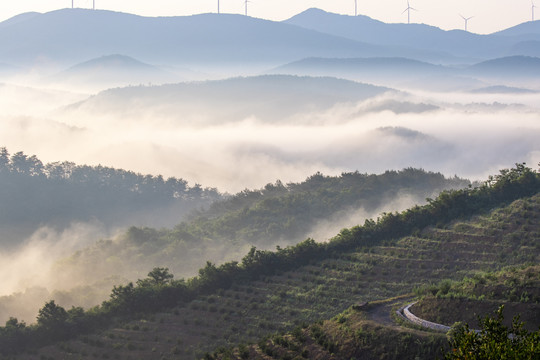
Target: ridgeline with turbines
[63,38]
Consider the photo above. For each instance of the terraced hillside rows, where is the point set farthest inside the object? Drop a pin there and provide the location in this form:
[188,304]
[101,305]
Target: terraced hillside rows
[246,312]
[518,289]
[352,334]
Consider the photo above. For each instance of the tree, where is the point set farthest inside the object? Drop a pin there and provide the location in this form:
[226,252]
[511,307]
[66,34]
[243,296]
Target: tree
[160,276]
[14,324]
[4,160]
[52,316]
[494,341]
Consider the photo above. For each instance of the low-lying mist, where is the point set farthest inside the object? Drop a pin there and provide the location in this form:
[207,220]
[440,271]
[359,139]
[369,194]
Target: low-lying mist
[471,135]
[28,275]
[75,268]
[464,135]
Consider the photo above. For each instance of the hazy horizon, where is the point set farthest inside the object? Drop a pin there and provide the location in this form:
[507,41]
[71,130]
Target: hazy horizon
[487,16]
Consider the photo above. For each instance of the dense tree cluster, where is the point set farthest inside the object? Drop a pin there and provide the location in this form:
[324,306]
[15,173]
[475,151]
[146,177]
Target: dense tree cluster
[494,341]
[281,211]
[159,290]
[33,193]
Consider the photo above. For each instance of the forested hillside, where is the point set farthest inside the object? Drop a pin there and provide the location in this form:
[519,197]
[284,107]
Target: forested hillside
[276,215]
[457,234]
[34,194]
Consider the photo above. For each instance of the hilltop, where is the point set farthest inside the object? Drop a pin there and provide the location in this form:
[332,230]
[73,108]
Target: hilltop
[270,98]
[113,71]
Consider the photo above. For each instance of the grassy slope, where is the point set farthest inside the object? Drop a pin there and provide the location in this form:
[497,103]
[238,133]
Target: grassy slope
[321,290]
[480,295]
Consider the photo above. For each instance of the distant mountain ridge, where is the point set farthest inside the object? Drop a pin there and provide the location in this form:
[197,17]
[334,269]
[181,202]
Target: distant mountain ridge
[65,37]
[19,18]
[269,97]
[392,71]
[75,35]
[363,69]
[415,36]
[512,66]
[113,71]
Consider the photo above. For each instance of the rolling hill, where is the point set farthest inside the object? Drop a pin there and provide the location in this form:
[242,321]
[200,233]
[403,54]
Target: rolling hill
[276,215]
[452,237]
[500,89]
[403,72]
[389,71]
[512,67]
[274,98]
[526,31]
[113,71]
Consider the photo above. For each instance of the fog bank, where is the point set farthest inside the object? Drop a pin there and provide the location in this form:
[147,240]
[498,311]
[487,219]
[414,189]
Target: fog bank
[460,134]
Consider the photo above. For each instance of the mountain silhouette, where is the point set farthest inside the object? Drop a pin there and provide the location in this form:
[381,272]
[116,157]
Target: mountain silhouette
[70,36]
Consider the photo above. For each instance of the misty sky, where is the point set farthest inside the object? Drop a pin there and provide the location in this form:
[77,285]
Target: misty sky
[489,15]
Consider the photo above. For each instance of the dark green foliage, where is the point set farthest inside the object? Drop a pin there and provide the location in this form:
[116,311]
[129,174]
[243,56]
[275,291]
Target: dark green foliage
[495,341]
[157,277]
[159,291]
[517,284]
[277,214]
[277,210]
[51,316]
[14,336]
[32,193]
[354,338]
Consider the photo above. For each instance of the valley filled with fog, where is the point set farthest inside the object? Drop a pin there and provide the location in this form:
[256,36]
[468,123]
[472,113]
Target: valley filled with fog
[230,113]
[232,135]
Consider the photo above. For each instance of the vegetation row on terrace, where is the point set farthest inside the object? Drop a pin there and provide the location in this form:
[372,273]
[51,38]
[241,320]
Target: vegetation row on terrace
[159,292]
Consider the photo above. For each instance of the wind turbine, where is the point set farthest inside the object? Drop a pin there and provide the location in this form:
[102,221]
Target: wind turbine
[73,0]
[355,7]
[466,20]
[218,6]
[408,10]
[533,6]
[246,4]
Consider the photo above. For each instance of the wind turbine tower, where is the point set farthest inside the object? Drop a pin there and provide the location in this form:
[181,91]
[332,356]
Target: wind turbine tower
[533,6]
[466,20]
[408,10]
[73,0]
[218,6]
[355,7]
[246,5]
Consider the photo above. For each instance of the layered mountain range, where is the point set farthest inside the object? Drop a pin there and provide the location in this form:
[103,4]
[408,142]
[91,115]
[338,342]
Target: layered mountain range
[63,38]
